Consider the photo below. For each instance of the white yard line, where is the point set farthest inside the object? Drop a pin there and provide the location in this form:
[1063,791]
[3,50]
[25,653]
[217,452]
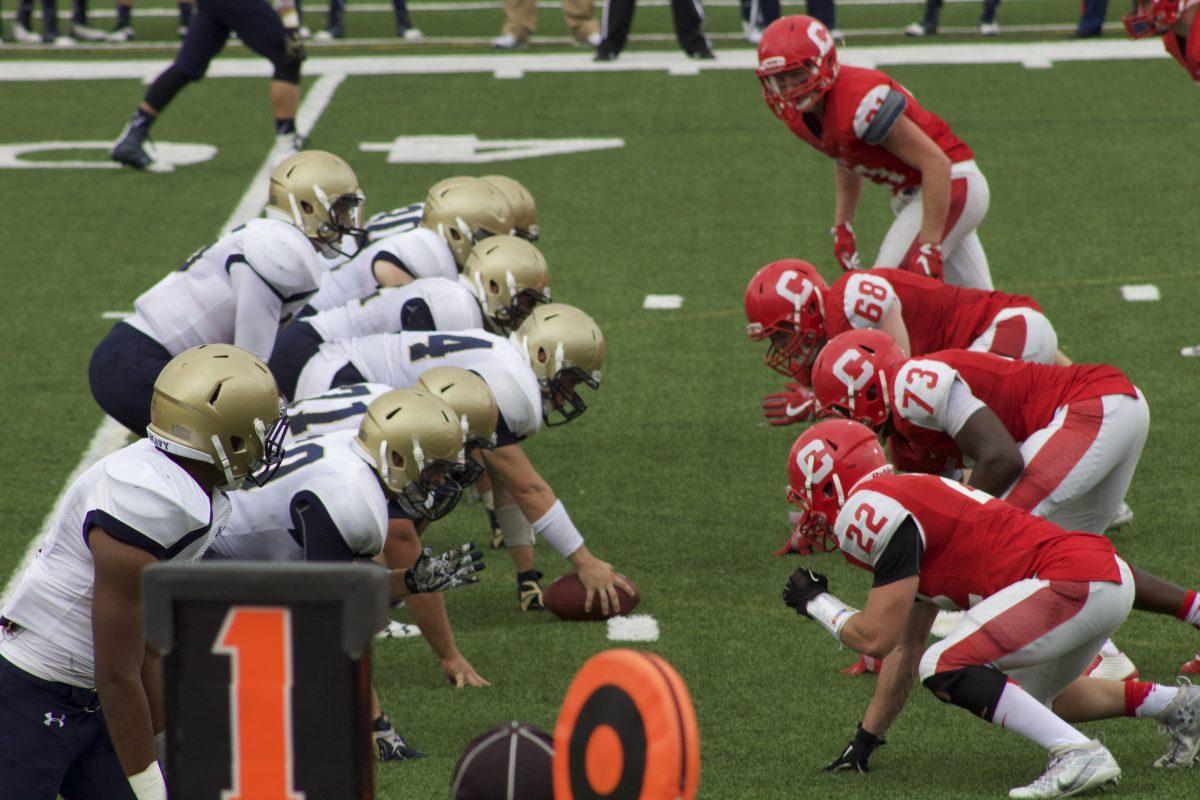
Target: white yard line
[1033,53]
[111,435]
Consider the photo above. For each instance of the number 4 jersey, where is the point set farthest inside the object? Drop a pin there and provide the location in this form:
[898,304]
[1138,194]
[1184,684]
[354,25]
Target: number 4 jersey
[968,545]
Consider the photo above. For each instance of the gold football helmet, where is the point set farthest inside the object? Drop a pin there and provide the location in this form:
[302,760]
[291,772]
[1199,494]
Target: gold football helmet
[470,397]
[319,194]
[565,347]
[219,404]
[415,443]
[464,210]
[524,209]
[510,277]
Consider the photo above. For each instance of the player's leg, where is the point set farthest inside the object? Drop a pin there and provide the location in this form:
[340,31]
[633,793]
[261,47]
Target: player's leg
[96,773]
[581,20]
[1019,333]
[906,206]
[615,22]
[965,261]
[123,31]
[80,29]
[261,29]
[520,22]
[518,539]
[122,372]
[404,25]
[295,346]
[690,28]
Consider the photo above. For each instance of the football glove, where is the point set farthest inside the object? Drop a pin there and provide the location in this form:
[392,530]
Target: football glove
[293,45]
[857,753]
[390,745]
[493,521]
[529,591]
[845,247]
[925,260]
[803,586]
[797,404]
[457,567]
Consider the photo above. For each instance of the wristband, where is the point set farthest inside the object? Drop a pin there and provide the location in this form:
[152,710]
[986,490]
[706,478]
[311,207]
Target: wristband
[832,613]
[149,784]
[558,530]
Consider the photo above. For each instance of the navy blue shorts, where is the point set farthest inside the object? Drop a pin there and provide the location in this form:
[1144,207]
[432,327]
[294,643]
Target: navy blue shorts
[347,375]
[294,346]
[122,372]
[53,741]
[254,21]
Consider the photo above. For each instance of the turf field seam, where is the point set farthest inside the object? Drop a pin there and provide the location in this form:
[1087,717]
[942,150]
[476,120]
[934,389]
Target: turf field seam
[110,436]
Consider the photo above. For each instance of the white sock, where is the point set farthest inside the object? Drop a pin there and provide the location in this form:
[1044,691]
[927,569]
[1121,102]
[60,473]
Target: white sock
[1018,711]
[1109,649]
[1157,701]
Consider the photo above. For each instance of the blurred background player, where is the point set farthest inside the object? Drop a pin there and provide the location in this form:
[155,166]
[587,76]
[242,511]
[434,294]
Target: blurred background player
[928,25]
[274,36]
[689,20]
[521,206]
[758,14]
[875,129]
[1176,22]
[520,22]
[23,25]
[335,22]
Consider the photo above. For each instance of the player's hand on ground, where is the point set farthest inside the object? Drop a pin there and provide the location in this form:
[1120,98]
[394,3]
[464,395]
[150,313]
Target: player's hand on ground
[795,404]
[925,260]
[460,673]
[602,582]
[457,567]
[803,586]
[857,755]
[845,247]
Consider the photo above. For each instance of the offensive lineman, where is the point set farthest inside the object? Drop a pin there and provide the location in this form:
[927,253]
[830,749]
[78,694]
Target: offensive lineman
[1041,600]
[1176,22]
[405,218]
[873,128]
[238,290]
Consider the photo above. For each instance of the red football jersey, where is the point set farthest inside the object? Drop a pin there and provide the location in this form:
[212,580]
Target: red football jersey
[938,316]
[974,544]
[1186,52]
[1024,395]
[850,106]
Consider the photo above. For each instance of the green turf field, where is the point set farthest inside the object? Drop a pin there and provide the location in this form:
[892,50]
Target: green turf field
[672,475]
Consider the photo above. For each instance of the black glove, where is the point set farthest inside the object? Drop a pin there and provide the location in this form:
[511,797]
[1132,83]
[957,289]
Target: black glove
[857,753]
[293,45]
[803,586]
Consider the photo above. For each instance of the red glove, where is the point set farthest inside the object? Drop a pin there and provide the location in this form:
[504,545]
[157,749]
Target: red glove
[845,247]
[797,404]
[925,260]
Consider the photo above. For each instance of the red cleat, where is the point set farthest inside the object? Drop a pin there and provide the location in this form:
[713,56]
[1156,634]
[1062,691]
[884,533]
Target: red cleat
[1192,667]
[864,665]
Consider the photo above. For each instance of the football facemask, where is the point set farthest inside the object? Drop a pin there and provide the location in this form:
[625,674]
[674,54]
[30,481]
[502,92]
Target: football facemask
[1152,18]
[785,303]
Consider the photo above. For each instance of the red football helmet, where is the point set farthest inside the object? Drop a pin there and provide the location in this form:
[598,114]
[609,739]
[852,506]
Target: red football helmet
[825,464]
[785,302]
[797,64]
[851,376]
[1151,18]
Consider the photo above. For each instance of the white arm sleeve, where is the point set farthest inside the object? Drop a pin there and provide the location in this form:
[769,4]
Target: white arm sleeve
[259,308]
[559,530]
[959,407]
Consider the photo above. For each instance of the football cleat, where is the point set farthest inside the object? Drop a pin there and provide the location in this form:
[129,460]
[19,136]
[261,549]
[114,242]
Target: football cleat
[1181,719]
[122,34]
[390,745]
[918,29]
[989,29]
[1117,667]
[398,630]
[85,33]
[866,665]
[1192,667]
[25,35]
[130,148]
[1073,769]
[410,34]
[529,591]
[506,41]
[1122,517]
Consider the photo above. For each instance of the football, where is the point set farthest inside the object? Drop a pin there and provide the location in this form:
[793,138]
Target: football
[565,599]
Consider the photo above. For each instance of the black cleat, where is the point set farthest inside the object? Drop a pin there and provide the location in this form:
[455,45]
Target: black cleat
[389,744]
[703,54]
[606,54]
[129,149]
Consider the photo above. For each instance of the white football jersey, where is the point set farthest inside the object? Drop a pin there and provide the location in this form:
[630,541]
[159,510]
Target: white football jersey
[261,529]
[448,303]
[398,220]
[339,409]
[398,359]
[419,252]
[140,497]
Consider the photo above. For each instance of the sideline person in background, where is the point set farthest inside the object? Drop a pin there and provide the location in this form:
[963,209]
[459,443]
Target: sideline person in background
[928,24]
[520,22]
[689,28]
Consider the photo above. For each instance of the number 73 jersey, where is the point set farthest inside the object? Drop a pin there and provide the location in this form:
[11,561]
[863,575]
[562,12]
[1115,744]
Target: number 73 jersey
[972,545]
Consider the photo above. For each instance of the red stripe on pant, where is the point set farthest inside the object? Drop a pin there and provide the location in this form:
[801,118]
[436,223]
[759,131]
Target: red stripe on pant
[1060,453]
[958,202]
[1009,338]
[1017,627]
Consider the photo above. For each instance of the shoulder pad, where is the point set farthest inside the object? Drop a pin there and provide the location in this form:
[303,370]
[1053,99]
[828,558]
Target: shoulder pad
[282,256]
[877,112]
[866,298]
[425,253]
[866,524]
[921,390]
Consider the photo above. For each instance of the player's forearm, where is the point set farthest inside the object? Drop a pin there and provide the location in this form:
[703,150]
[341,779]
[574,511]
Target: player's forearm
[994,473]
[127,715]
[896,676]
[935,205]
[152,685]
[429,614]
[847,189]
[865,635]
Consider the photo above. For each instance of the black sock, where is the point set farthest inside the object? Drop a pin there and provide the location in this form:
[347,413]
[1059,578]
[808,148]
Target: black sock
[124,16]
[80,15]
[49,19]
[141,120]
[185,14]
[283,126]
[25,13]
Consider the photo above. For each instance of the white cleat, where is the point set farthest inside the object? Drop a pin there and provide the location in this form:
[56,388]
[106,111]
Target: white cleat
[989,29]
[286,144]
[594,38]
[1190,352]
[122,34]
[412,35]
[85,33]
[1122,517]
[945,622]
[1073,769]
[1181,719]
[63,41]
[916,29]
[506,41]
[398,630]
[25,35]
[305,33]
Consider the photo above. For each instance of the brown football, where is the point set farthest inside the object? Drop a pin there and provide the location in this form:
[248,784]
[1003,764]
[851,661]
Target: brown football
[565,599]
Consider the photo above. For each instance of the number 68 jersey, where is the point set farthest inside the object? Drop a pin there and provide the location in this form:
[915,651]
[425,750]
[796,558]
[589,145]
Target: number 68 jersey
[969,545]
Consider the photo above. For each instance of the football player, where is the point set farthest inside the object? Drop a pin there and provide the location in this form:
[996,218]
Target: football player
[356,494]
[1040,603]
[524,212]
[237,290]
[80,693]
[1059,442]
[874,128]
[1175,22]
[789,303]
[534,376]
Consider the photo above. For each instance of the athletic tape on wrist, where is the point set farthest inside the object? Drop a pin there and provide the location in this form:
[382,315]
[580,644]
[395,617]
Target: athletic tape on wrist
[831,613]
[149,784]
[556,526]
[516,529]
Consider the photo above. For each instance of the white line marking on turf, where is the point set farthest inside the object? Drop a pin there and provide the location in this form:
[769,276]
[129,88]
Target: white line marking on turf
[1140,292]
[111,435]
[1037,63]
[648,61]
[634,628]
[662,301]
[504,74]
[116,315]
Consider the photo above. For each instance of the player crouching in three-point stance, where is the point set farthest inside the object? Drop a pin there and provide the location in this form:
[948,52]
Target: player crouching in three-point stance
[873,128]
[1041,600]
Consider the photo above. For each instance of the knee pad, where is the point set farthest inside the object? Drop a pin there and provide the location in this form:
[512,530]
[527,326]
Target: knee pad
[516,529]
[287,71]
[975,688]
